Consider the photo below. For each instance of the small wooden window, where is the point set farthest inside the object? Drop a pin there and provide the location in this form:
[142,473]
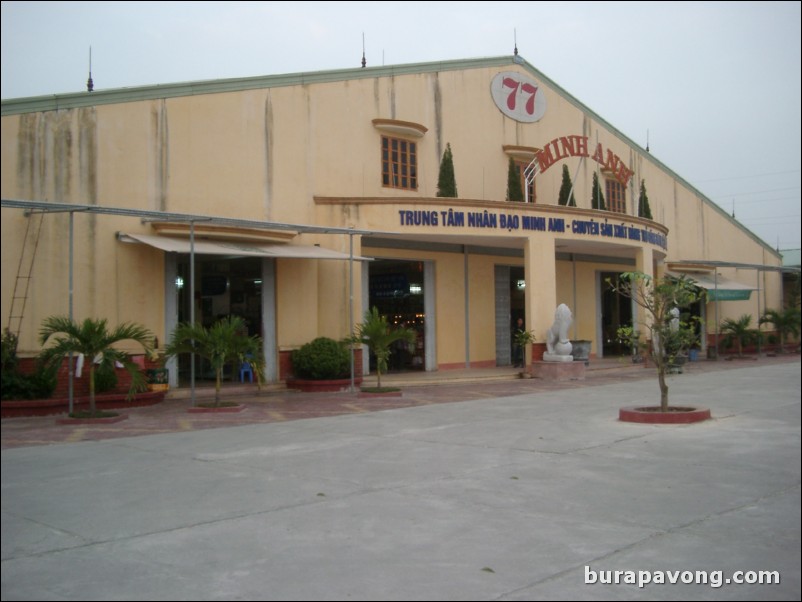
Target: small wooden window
[616,196]
[399,163]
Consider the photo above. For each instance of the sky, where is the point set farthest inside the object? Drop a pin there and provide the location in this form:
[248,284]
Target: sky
[716,85]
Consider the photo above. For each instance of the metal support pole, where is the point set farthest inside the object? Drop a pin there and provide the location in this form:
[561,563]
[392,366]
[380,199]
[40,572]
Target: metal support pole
[351,303]
[467,309]
[715,280]
[759,333]
[71,385]
[192,306]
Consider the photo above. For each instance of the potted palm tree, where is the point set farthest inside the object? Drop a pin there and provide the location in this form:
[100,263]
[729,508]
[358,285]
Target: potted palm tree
[786,322]
[740,331]
[222,343]
[522,338]
[375,332]
[93,339]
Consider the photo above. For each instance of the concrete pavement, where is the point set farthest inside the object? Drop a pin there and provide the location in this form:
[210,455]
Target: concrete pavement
[508,497]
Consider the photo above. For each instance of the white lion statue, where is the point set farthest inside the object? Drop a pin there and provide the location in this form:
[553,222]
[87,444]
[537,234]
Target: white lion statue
[557,342]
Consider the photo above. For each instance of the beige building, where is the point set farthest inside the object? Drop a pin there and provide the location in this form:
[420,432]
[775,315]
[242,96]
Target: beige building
[295,161]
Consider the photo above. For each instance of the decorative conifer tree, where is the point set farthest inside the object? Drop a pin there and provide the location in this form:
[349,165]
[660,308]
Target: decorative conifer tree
[597,198]
[565,190]
[643,202]
[514,190]
[446,181]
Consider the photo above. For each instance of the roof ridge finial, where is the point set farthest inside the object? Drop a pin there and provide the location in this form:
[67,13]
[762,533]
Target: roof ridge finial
[90,85]
[364,62]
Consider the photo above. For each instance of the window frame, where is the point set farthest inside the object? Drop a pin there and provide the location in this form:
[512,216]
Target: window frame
[399,163]
[616,203]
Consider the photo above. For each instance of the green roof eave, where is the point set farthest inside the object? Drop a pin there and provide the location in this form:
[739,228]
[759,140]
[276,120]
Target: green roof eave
[71,100]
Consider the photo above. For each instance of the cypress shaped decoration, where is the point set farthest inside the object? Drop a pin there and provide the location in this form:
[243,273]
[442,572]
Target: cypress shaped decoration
[514,190]
[565,190]
[446,181]
[644,210]
[597,198]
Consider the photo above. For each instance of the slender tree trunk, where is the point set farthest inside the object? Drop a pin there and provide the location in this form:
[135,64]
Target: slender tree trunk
[92,387]
[218,377]
[661,377]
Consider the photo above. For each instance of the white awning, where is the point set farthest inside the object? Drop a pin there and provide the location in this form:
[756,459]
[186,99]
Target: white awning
[234,248]
[719,288]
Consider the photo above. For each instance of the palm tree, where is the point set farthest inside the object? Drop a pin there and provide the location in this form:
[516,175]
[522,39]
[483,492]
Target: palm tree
[738,329]
[376,334]
[93,339]
[786,321]
[221,344]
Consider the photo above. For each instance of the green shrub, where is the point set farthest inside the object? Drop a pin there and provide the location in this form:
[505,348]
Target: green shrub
[105,378]
[322,359]
[9,351]
[39,385]
[17,385]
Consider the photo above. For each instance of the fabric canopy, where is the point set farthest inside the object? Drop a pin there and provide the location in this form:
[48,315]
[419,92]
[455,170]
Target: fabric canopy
[240,249]
[720,288]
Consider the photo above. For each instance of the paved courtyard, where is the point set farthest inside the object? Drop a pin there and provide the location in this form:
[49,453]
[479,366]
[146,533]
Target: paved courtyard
[497,490]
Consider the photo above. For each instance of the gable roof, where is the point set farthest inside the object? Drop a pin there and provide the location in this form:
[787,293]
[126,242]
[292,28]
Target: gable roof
[72,100]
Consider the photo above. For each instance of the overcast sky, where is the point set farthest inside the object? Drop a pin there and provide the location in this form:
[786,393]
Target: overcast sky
[716,84]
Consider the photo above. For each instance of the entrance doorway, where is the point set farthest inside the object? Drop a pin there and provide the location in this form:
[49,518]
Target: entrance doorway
[510,295]
[223,287]
[396,288]
[616,311]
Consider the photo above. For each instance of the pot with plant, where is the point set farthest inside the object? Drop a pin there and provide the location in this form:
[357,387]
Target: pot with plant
[225,342]
[629,337]
[522,338]
[322,365]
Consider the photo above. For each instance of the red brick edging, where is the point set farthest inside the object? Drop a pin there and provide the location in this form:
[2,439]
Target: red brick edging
[17,408]
[212,410]
[108,420]
[653,415]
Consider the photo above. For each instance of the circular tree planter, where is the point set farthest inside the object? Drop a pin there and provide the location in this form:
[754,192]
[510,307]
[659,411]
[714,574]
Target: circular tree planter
[653,415]
[216,410]
[390,392]
[103,420]
[322,386]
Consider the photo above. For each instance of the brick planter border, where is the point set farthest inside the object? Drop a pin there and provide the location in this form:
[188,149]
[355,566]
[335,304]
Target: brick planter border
[653,415]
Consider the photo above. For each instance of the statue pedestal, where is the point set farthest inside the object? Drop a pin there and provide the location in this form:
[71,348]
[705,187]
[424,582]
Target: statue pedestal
[553,357]
[561,370]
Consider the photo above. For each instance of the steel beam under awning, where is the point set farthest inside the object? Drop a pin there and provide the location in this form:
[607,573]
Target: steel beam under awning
[235,248]
[719,288]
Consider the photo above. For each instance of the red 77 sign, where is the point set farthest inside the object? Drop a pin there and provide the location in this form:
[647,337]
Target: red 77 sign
[518,97]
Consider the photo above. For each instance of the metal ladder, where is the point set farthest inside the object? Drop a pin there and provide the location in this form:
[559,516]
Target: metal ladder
[24,269]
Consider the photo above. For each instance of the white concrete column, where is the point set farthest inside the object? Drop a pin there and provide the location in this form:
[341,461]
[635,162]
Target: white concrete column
[269,315]
[644,262]
[540,273]
[171,312]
